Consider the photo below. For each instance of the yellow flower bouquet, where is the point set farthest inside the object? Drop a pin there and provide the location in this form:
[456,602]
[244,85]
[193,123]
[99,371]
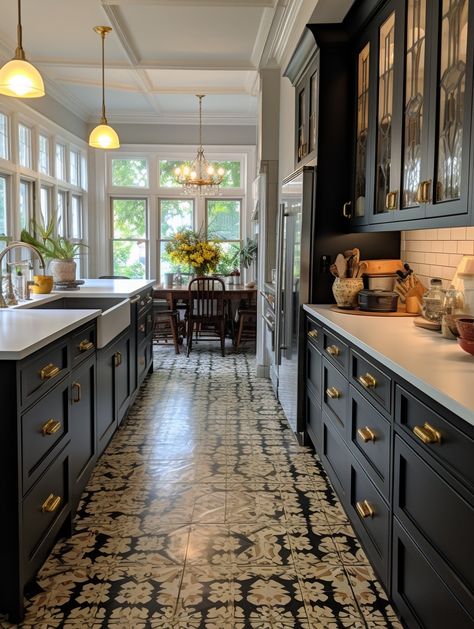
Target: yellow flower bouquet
[192,249]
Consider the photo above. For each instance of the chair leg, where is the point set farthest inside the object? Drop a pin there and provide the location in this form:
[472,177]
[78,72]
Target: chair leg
[174,332]
[189,340]
[222,337]
[241,329]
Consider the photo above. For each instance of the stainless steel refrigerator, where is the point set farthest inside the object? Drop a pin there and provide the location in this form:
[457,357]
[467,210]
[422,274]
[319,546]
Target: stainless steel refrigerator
[294,241]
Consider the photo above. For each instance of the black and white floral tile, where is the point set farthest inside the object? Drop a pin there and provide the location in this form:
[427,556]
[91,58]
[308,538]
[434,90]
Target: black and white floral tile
[204,512]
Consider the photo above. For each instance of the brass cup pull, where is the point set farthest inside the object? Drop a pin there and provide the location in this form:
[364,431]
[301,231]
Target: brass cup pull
[50,427]
[149,299]
[391,200]
[426,190]
[51,503]
[368,381]
[313,334]
[365,509]
[85,345]
[366,434]
[427,433]
[346,210]
[135,300]
[48,372]
[77,387]
[117,359]
[333,393]
[333,350]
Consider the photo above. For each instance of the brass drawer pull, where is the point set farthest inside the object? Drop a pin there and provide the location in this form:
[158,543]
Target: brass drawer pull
[149,299]
[50,371]
[366,434]
[333,350]
[134,300]
[427,433]
[313,334]
[77,387]
[51,503]
[346,210]
[117,359]
[85,345]
[391,200]
[365,509]
[368,381]
[50,427]
[333,393]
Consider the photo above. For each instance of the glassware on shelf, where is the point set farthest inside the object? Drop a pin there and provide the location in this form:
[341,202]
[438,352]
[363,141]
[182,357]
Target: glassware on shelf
[433,301]
[453,305]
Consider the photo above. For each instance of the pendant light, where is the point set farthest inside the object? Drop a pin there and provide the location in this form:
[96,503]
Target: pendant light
[19,78]
[103,136]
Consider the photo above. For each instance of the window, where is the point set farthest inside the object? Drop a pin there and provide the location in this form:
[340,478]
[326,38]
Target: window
[61,162]
[167,177]
[26,203]
[223,224]
[175,215]
[3,136]
[45,204]
[24,145]
[130,173]
[75,223]
[75,168]
[232,177]
[3,205]
[83,172]
[43,155]
[129,237]
[62,213]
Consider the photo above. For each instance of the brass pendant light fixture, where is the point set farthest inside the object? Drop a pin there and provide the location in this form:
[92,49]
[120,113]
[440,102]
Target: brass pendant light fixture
[103,136]
[18,77]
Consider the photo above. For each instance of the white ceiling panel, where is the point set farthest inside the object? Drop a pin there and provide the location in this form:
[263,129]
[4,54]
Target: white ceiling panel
[201,81]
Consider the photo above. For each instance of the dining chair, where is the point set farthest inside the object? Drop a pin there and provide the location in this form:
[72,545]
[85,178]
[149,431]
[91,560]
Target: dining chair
[206,299]
[165,324]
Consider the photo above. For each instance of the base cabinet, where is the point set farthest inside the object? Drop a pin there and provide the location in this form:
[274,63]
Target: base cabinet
[410,500]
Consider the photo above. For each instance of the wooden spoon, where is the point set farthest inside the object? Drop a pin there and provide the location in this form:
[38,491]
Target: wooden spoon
[341,265]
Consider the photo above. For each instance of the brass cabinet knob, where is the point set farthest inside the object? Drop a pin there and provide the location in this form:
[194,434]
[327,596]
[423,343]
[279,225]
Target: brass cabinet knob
[50,427]
[85,345]
[365,509]
[141,327]
[333,350]
[313,334]
[366,434]
[427,433]
[333,393]
[117,359]
[51,503]
[391,200]
[49,371]
[346,209]
[77,387]
[368,381]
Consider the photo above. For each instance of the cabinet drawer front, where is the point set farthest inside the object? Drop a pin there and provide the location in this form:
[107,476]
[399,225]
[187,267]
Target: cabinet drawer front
[334,455]
[373,382]
[44,504]
[144,325]
[41,372]
[455,448]
[370,440]
[83,344]
[336,350]
[418,591]
[143,359]
[313,369]
[145,301]
[314,333]
[43,426]
[335,397]
[314,421]
[371,518]
[428,507]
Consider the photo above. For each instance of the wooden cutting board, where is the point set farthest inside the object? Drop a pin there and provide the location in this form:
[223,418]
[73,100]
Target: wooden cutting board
[401,312]
[382,267]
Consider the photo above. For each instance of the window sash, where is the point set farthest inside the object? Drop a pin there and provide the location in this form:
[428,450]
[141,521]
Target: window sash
[24,146]
[43,155]
[4,136]
[4,205]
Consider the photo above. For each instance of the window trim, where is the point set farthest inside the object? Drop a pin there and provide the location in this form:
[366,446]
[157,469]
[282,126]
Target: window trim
[147,239]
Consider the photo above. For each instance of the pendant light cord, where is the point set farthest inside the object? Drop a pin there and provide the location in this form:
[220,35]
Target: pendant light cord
[19,52]
[104,120]
[200,96]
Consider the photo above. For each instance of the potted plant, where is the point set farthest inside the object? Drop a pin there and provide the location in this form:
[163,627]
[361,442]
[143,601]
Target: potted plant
[58,250]
[247,254]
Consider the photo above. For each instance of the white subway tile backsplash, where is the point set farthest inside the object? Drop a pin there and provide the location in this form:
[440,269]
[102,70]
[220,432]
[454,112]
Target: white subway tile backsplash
[450,246]
[458,233]
[466,247]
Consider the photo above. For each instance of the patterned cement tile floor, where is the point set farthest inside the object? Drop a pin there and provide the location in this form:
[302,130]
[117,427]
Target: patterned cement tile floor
[204,512]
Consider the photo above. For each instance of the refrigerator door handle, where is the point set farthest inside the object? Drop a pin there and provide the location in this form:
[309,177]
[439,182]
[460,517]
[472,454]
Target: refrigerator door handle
[279,304]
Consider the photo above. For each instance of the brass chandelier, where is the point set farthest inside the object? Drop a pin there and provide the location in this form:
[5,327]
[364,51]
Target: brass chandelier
[200,177]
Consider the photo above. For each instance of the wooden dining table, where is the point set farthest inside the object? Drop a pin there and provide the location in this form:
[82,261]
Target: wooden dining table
[175,293]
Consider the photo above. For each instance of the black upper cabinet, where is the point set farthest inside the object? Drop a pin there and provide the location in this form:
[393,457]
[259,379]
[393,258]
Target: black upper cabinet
[307,98]
[413,67]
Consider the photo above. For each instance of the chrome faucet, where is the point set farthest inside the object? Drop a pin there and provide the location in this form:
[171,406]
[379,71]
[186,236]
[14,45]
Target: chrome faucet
[10,247]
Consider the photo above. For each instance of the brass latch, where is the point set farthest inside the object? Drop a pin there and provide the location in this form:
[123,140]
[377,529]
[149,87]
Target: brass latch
[50,371]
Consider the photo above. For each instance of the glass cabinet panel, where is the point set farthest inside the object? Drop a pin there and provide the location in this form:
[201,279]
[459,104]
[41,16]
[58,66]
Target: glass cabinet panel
[384,112]
[414,101]
[452,83]
[301,124]
[313,108]
[362,129]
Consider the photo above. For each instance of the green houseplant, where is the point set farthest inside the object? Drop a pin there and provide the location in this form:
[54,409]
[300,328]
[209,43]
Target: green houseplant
[248,253]
[59,251]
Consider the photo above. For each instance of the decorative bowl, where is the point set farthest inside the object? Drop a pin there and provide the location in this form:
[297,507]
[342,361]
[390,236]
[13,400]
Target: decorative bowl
[467,346]
[345,291]
[465,327]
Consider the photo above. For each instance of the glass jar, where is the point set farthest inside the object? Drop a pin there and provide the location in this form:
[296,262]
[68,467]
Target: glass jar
[453,305]
[433,301]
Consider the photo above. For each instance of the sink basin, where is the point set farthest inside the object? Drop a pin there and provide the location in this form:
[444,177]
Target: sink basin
[114,319]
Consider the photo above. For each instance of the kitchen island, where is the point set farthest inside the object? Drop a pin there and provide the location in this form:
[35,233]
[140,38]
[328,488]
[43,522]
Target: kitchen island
[71,365]
[389,408]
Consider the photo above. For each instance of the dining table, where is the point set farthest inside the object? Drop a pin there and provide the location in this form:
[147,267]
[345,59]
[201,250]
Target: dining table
[175,293]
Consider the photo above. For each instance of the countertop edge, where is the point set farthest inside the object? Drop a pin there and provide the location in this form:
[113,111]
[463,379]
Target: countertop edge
[438,396]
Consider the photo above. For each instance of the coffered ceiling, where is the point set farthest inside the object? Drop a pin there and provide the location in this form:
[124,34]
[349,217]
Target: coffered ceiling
[159,55]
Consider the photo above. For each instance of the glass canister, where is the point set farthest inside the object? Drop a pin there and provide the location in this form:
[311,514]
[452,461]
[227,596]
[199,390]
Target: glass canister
[433,301]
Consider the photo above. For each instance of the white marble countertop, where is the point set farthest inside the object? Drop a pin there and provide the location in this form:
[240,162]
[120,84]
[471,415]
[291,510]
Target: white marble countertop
[435,365]
[23,332]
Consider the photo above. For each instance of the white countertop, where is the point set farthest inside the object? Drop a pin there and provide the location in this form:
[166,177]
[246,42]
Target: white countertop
[435,365]
[23,332]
